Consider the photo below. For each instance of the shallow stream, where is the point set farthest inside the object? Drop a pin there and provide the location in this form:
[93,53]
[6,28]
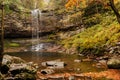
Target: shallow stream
[69,59]
[72,66]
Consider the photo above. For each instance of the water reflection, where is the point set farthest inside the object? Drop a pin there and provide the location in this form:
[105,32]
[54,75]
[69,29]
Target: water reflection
[36,57]
[39,57]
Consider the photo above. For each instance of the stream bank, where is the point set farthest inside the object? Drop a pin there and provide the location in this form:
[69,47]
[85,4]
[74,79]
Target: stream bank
[81,70]
[76,34]
[76,66]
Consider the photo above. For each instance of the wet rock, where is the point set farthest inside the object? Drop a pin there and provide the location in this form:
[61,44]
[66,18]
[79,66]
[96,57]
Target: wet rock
[20,68]
[102,58]
[22,76]
[102,64]
[25,76]
[77,60]
[47,71]
[10,78]
[71,78]
[17,69]
[53,64]
[4,69]
[80,54]
[71,51]
[114,49]
[86,60]
[11,59]
[55,48]
[98,65]
[114,63]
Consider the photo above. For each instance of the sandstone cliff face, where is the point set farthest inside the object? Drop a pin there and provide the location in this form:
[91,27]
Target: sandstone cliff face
[18,20]
[20,25]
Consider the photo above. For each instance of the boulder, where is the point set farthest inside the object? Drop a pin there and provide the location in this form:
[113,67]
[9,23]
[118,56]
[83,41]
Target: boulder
[25,76]
[53,64]
[102,64]
[21,68]
[77,60]
[11,59]
[4,69]
[14,68]
[47,71]
[114,63]
[86,60]
[114,49]
[22,76]
[8,61]
[71,78]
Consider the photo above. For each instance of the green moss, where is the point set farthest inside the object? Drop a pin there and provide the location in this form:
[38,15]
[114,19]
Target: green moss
[8,44]
[14,45]
[95,38]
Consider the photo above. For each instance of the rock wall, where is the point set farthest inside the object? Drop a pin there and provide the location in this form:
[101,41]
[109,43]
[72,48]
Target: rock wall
[20,24]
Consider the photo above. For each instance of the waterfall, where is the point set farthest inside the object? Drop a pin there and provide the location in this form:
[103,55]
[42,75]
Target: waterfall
[36,24]
[36,17]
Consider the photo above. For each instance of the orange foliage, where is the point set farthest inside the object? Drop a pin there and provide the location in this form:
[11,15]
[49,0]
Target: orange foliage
[72,3]
[111,74]
[75,3]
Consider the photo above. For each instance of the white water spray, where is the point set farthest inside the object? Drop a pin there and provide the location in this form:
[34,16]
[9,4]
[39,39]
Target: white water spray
[36,17]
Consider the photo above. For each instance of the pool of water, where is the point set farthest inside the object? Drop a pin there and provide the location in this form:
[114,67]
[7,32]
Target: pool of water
[39,57]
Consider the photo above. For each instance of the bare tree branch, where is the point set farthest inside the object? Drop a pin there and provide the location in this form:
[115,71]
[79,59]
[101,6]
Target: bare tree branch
[115,10]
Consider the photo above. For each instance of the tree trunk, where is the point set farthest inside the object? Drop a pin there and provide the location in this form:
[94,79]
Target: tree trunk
[2,37]
[115,10]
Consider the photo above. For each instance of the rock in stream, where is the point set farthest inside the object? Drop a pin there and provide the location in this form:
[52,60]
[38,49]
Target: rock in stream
[14,68]
[114,63]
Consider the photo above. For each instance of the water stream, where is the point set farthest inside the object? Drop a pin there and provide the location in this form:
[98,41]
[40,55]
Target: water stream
[68,59]
[36,24]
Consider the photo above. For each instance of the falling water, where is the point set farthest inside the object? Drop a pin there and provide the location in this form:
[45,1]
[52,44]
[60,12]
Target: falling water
[36,14]
[36,24]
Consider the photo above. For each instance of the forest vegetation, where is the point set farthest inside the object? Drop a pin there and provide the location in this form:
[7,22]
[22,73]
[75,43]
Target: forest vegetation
[99,20]
[82,28]
[97,17]
[101,26]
